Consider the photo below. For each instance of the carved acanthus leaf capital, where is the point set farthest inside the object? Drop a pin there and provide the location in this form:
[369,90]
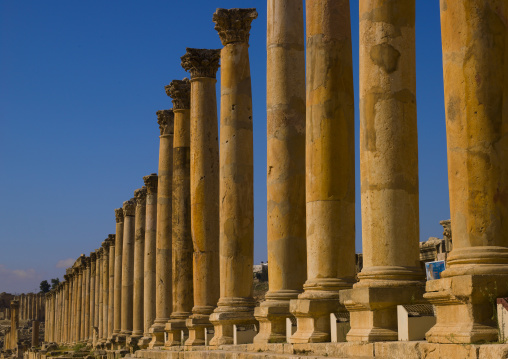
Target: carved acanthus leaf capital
[166,121]
[140,196]
[119,215]
[201,62]
[233,25]
[111,239]
[105,244]
[87,262]
[129,207]
[151,182]
[179,91]
[93,257]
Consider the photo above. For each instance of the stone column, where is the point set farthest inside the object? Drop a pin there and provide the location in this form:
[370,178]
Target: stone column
[86,304]
[79,302]
[14,324]
[165,118]
[83,300]
[100,288]
[105,290]
[330,177]
[475,65]
[95,328]
[391,273]
[93,275]
[149,261]
[117,315]
[70,310]
[129,209]
[285,95]
[111,289]
[179,90]
[236,305]
[29,306]
[204,188]
[139,253]
[66,307]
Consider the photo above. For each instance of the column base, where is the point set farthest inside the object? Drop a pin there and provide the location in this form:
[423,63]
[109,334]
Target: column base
[132,342]
[144,342]
[465,308]
[120,341]
[197,324]
[174,330]
[373,308]
[230,312]
[313,319]
[157,332]
[272,315]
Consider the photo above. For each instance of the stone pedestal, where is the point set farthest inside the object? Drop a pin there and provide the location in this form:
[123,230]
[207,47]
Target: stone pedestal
[149,261]
[475,57]
[117,297]
[139,253]
[391,273]
[165,118]
[129,211]
[236,305]
[285,95]
[179,90]
[204,188]
[330,179]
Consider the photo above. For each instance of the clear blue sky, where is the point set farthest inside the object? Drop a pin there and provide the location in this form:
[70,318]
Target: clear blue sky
[80,82]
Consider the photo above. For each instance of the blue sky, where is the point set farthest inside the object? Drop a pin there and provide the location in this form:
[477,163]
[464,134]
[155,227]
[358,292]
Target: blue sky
[80,83]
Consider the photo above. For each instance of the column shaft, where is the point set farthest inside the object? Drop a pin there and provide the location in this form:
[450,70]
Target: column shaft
[111,286]
[129,208]
[93,273]
[118,271]
[105,290]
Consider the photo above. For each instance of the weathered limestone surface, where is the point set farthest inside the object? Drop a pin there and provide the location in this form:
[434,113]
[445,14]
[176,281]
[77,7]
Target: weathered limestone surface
[14,324]
[139,254]
[79,304]
[86,304]
[391,271]
[97,294]
[93,276]
[100,308]
[163,303]
[236,305]
[105,290]
[285,96]
[330,180]
[149,261]
[129,211]
[475,65]
[179,91]
[204,188]
[117,315]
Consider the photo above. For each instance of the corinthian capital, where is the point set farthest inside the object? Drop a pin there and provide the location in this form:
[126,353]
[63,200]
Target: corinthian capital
[233,25]
[166,121]
[119,215]
[129,207]
[111,239]
[179,91]
[201,62]
[151,182]
[140,196]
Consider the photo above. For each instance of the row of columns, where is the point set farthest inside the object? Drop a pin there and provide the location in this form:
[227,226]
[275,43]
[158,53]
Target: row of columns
[31,306]
[181,260]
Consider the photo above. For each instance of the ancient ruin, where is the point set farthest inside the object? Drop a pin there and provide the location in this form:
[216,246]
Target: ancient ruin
[178,273]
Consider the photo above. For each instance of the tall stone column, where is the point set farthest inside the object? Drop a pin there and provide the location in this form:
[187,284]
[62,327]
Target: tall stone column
[29,306]
[105,290]
[111,288]
[139,253]
[163,301]
[179,90]
[100,288]
[95,330]
[86,304]
[65,307]
[236,305]
[330,177]
[117,315]
[285,96]
[93,275]
[475,67]
[14,324]
[204,188]
[149,291]
[129,211]
[35,333]
[79,302]
[83,300]
[70,310]
[391,273]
